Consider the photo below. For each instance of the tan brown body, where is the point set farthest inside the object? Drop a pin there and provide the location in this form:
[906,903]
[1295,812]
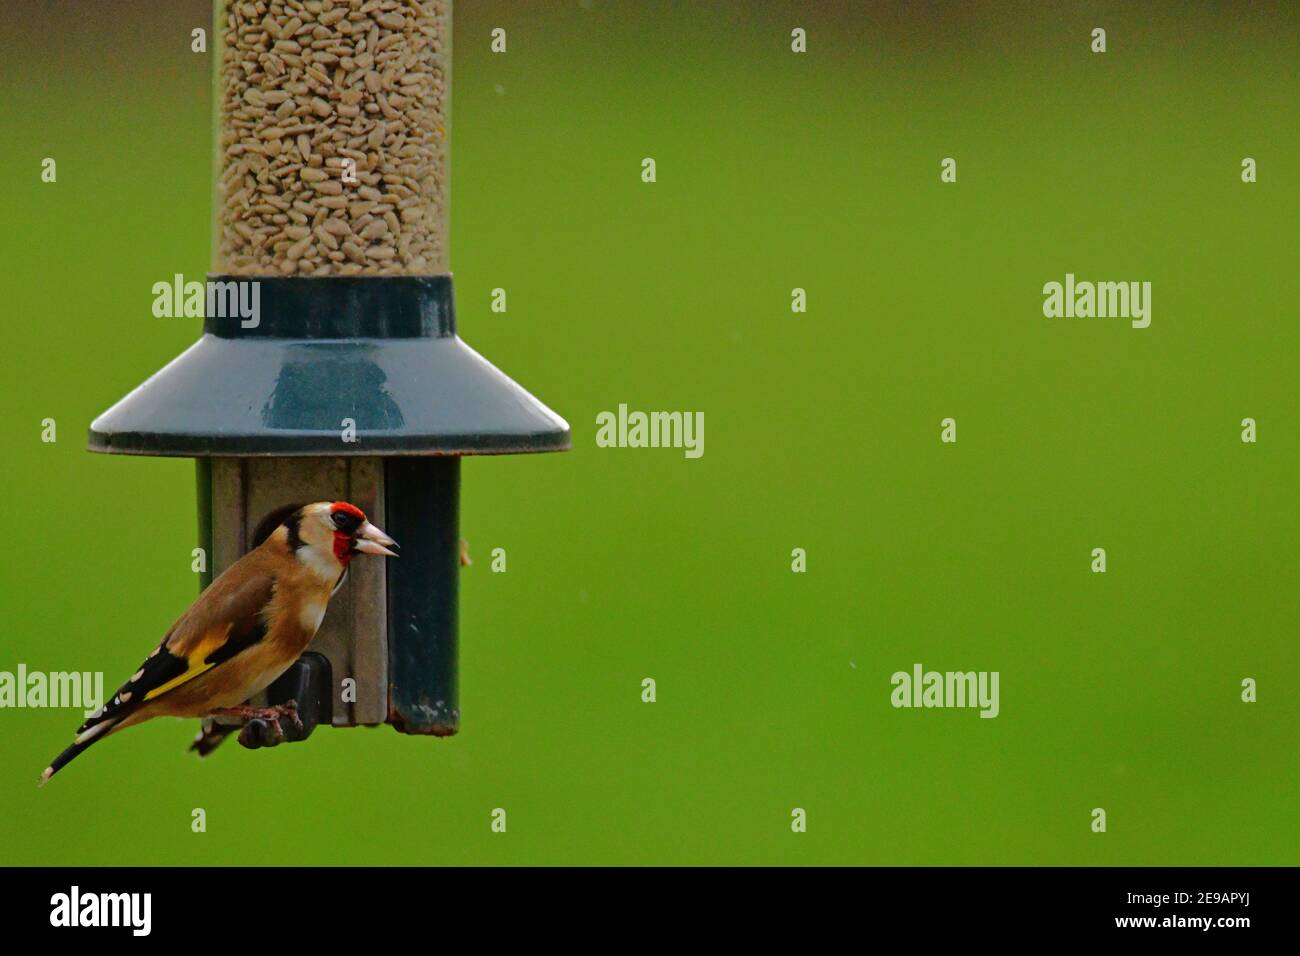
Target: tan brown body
[245,629]
[289,596]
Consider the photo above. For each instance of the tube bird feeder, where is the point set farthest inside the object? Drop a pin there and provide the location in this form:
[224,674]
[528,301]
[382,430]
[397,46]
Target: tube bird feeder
[329,366]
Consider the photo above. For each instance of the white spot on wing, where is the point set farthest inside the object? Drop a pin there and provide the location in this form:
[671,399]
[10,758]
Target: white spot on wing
[93,732]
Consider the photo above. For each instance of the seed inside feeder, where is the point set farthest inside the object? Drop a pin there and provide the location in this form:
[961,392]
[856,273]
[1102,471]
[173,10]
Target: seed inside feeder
[333,137]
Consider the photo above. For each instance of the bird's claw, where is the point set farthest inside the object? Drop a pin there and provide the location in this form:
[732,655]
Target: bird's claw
[268,729]
[260,732]
[289,709]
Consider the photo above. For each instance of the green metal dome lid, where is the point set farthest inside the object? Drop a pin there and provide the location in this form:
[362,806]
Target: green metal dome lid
[380,354]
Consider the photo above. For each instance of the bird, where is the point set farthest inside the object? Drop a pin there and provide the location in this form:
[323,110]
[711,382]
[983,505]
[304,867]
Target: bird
[245,630]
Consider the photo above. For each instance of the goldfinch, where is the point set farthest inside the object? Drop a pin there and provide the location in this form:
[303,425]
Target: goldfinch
[245,629]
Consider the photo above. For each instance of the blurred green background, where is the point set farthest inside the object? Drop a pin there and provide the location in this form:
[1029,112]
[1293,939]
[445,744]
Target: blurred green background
[775,170]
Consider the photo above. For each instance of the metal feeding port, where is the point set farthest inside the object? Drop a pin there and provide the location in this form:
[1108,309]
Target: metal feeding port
[329,367]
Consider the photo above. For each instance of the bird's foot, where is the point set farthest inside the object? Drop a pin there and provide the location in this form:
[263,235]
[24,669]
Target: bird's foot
[289,710]
[266,726]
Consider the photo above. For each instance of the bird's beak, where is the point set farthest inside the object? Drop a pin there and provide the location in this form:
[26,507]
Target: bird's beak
[371,540]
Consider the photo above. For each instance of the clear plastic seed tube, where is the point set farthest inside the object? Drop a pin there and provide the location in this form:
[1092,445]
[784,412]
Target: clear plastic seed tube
[332,130]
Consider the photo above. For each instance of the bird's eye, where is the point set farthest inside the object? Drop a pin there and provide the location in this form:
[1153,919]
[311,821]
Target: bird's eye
[346,521]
